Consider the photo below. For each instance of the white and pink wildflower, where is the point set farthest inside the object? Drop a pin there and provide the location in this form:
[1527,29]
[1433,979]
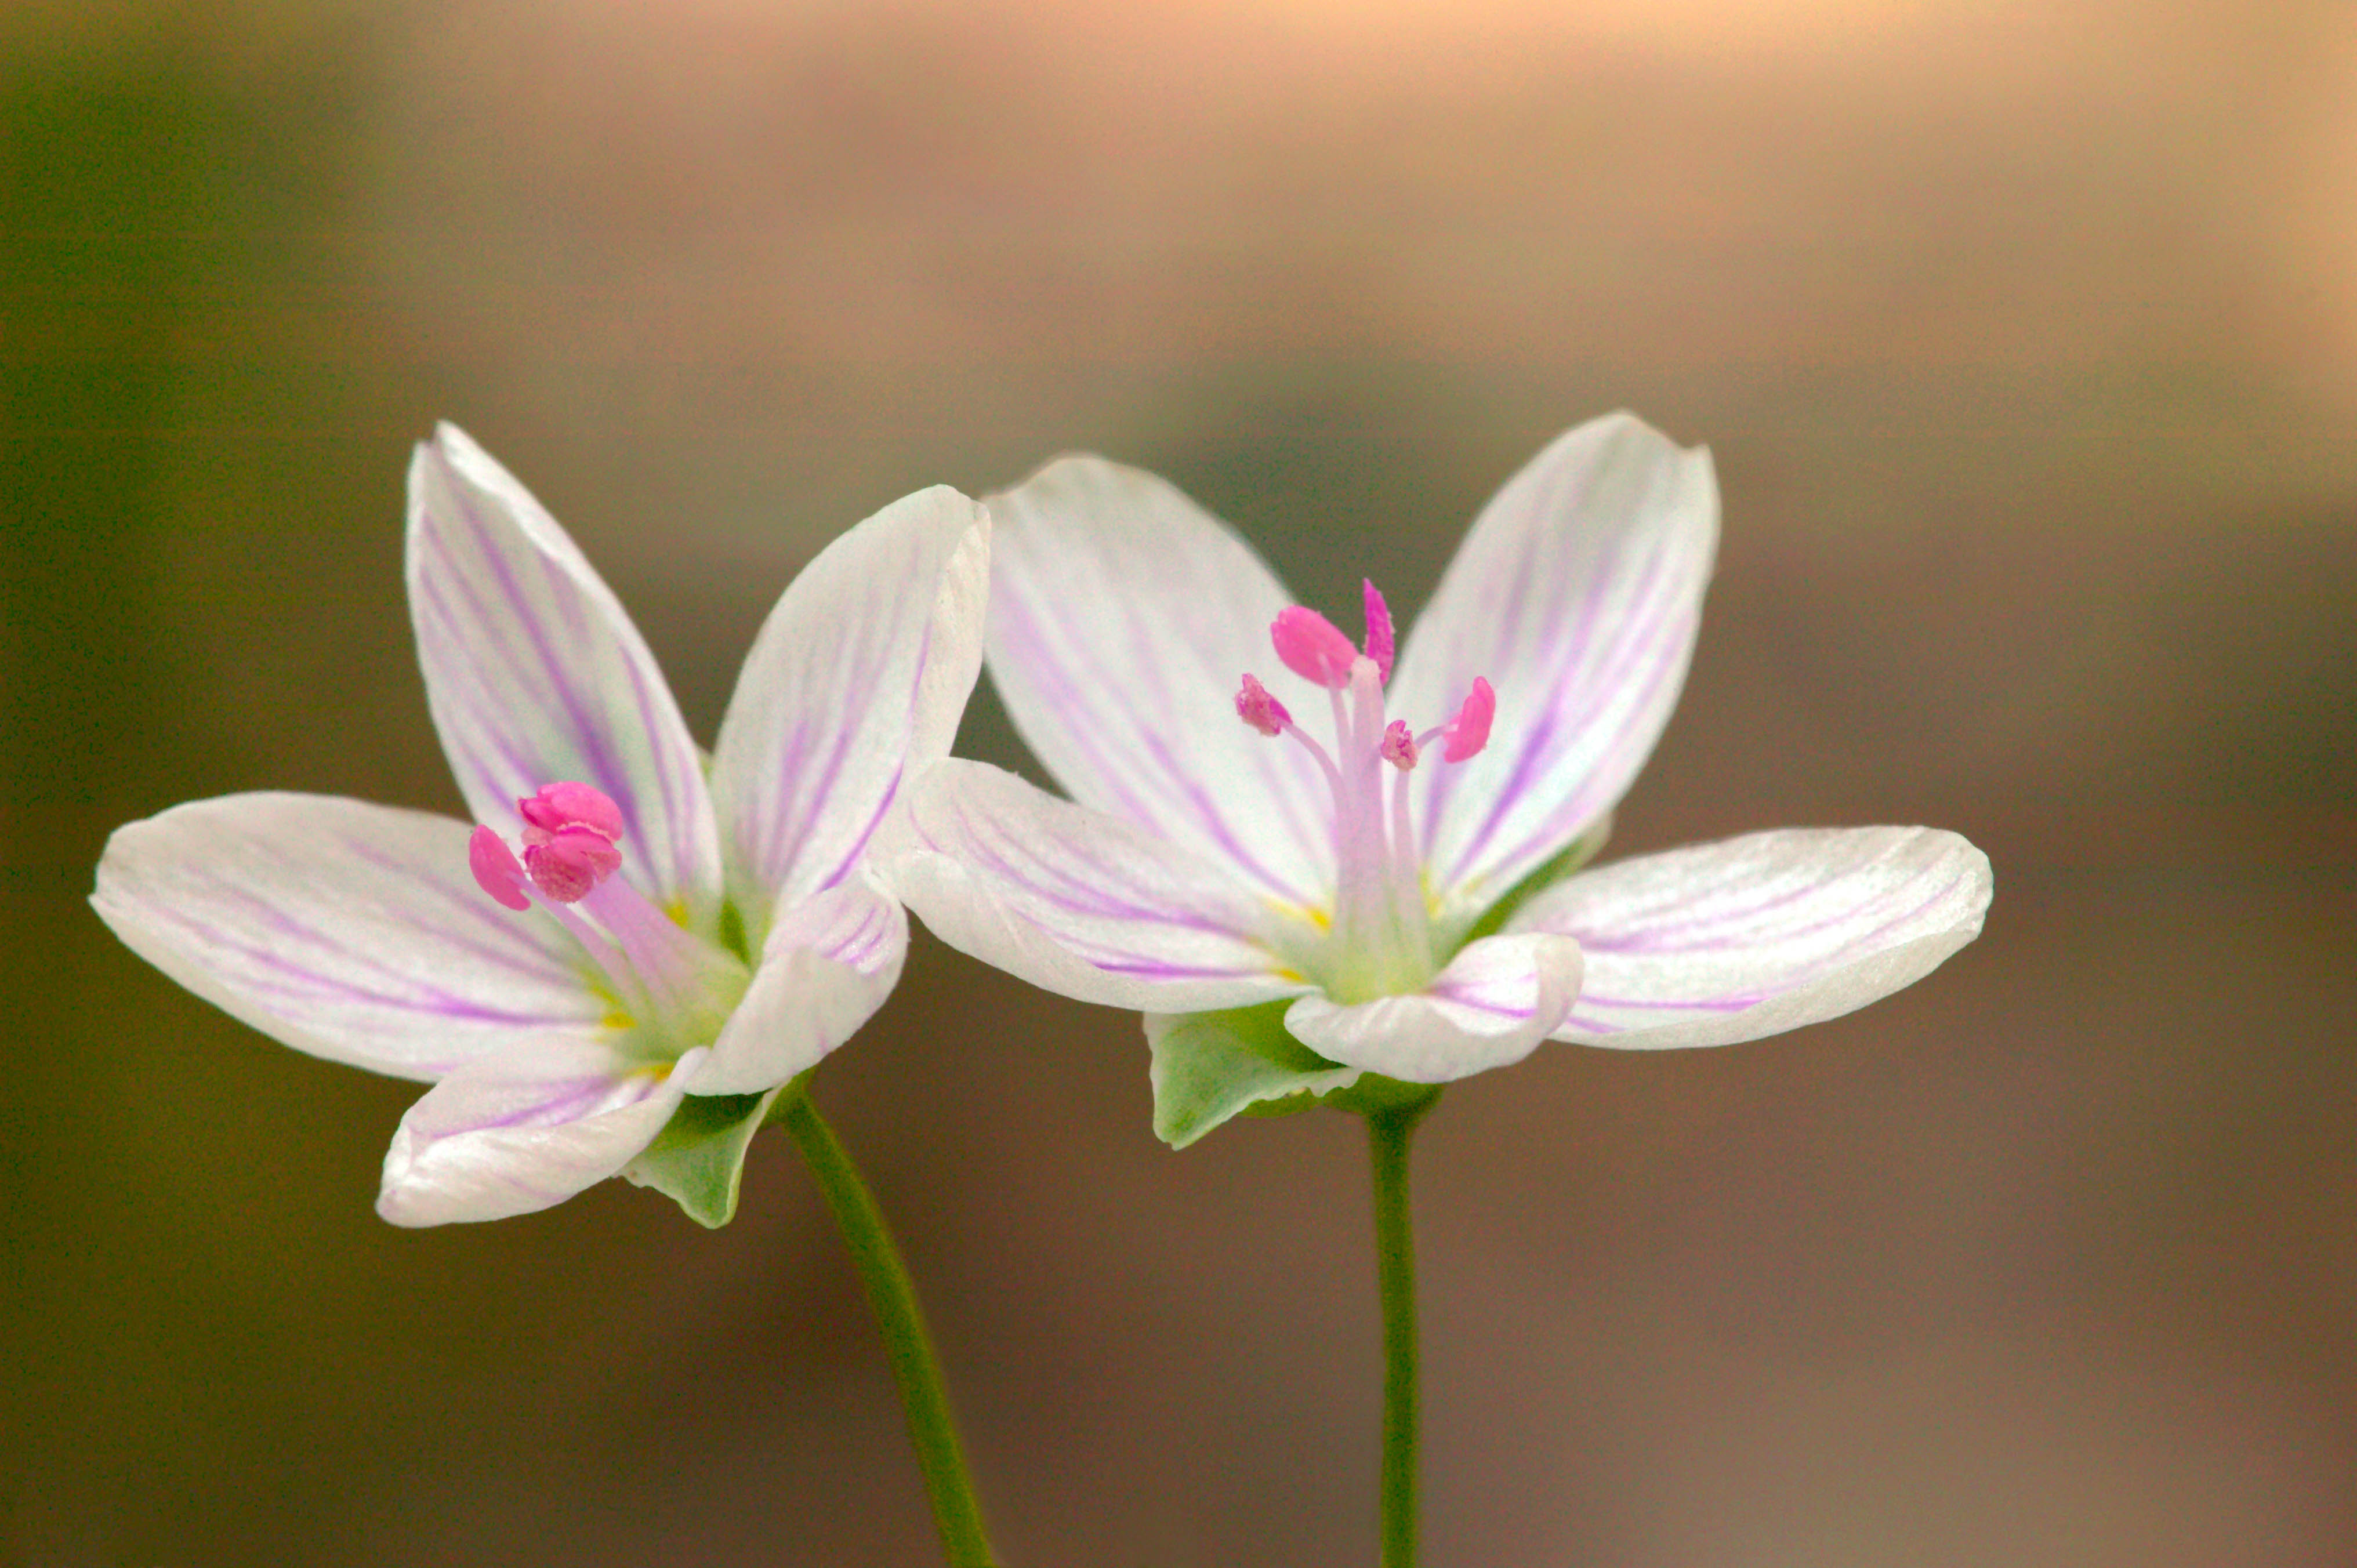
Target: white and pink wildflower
[1291,913]
[678,940]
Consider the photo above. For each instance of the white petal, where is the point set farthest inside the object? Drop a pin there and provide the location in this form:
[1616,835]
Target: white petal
[855,683]
[1496,1001]
[1576,595]
[1122,619]
[1078,902]
[828,964]
[535,674]
[352,931]
[524,1131]
[1756,935]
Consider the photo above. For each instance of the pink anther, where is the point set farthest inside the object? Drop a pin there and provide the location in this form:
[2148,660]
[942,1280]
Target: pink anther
[1312,648]
[1399,746]
[1379,631]
[557,807]
[1259,708]
[1468,732]
[495,868]
[567,864]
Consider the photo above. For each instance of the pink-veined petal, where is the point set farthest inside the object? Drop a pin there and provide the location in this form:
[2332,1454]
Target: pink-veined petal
[352,931]
[1078,902]
[536,676]
[829,964]
[1733,941]
[524,1131]
[1496,1001]
[1122,617]
[1577,595]
[855,683]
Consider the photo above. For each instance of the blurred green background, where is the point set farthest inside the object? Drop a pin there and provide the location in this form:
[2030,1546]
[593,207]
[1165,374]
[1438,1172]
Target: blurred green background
[2026,336]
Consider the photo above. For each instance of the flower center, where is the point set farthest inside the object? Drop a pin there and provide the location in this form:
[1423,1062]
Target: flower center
[674,988]
[1379,942]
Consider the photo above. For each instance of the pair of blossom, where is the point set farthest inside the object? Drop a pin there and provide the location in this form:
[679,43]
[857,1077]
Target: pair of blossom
[679,942]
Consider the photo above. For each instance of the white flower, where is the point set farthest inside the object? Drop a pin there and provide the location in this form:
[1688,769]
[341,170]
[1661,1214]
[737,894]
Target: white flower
[1399,897]
[677,942]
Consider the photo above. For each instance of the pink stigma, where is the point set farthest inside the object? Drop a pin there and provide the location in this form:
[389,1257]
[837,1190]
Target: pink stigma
[1468,732]
[1399,746]
[569,805]
[1379,631]
[495,868]
[1257,708]
[1312,649]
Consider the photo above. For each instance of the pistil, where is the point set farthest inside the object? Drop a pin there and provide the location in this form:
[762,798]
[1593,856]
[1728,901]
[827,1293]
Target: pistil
[1380,940]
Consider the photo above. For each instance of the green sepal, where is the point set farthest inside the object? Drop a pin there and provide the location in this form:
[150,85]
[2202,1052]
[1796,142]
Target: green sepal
[698,1159]
[1375,1095]
[1209,1067]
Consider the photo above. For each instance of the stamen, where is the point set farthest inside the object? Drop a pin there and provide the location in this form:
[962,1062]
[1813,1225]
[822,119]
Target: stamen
[1312,649]
[1362,919]
[495,868]
[666,959]
[565,865]
[557,807]
[1468,732]
[1407,865]
[1379,631]
[498,874]
[1259,709]
[568,834]
[1379,939]
[658,968]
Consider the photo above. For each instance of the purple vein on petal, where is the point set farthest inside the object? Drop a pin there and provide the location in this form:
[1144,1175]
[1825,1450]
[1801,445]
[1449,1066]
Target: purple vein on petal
[1690,1005]
[286,925]
[481,699]
[1163,969]
[809,806]
[1048,669]
[578,1099]
[1049,666]
[1215,822]
[1064,890]
[1654,631]
[682,873]
[1566,666]
[1468,998]
[868,830]
[309,984]
[1528,575]
[1098,951]
[1793,979]
[1784,935]
[1658,939]
[509,947]
[858,945]
[1551,832]
[587,734]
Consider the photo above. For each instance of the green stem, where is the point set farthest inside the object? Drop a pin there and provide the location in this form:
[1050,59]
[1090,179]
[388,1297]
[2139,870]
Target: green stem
[893,1298]
[1388,1131]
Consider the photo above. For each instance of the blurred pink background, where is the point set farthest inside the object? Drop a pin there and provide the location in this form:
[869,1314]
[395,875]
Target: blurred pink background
[2025,338]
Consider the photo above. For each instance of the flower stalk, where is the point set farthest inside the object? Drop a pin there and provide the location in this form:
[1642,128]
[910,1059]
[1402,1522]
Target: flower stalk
[1388,1131]
[892,1296]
